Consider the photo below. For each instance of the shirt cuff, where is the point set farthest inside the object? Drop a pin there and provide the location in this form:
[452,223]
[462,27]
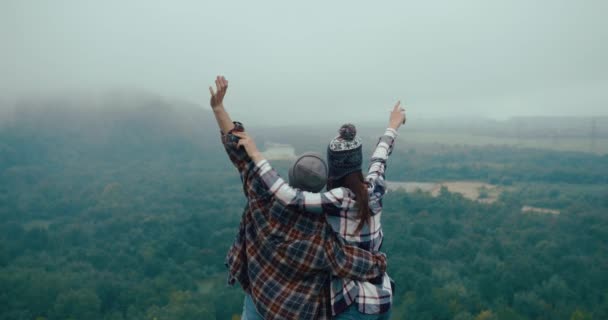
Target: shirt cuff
[228,137]
[391,133]
[263,166]
[238,127]
[261,163]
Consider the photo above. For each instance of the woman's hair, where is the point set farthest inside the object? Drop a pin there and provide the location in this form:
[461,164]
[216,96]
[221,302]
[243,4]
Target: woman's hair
[355,182]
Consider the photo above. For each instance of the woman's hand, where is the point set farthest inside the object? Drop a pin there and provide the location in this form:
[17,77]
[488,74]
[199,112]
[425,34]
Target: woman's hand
[397,117]
[247,142]
[217,98]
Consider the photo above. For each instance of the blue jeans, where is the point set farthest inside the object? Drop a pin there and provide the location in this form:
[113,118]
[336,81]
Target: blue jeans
[352,313]
[249,311]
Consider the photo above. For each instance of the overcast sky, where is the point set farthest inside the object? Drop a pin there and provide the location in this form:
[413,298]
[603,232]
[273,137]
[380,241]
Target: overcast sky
[307,61]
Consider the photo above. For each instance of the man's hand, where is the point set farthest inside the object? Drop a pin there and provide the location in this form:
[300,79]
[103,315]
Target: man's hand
[397,117]
[217,98]
[247,142]
[217,104]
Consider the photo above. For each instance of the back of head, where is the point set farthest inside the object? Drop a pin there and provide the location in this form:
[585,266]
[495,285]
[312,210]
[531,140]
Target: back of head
[308,172]
[345,156]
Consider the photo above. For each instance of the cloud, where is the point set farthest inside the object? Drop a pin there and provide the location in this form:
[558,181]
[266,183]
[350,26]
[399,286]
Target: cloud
[319,60]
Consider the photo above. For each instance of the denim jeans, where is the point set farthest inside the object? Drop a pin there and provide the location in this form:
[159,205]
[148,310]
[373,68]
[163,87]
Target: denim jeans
[249,312]
[352,313]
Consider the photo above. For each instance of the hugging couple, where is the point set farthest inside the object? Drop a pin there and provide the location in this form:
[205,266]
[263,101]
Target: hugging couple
[301,253]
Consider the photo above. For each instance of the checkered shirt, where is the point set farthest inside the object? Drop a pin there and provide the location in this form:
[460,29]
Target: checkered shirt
[284,258]
[341,210]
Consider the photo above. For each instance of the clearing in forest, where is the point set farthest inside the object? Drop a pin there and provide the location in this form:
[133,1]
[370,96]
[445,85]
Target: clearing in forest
[474,190]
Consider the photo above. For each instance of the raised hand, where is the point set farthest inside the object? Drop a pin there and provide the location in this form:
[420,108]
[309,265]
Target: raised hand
[217,98]
[397,117]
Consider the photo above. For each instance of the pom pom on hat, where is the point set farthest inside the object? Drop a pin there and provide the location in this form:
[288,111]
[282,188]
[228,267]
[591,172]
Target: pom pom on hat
[347,140]
[348,131]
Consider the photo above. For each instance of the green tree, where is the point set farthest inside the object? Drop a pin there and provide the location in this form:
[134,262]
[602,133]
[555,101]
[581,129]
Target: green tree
[77,304]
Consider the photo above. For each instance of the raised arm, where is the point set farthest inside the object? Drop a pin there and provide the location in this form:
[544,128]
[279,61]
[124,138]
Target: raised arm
[384,148]
[217,105]
[326,202]
[238,156]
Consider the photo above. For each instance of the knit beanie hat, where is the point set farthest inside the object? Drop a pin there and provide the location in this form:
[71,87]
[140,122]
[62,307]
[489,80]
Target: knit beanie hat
[308,172]
[344,153]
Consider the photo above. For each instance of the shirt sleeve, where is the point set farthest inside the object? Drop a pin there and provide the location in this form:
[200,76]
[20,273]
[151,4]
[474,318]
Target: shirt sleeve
[252,184]
[238,156]
[328,202]
[375,176]
[347,261]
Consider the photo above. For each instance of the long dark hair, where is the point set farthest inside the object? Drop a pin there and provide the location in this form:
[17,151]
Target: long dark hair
[355,182]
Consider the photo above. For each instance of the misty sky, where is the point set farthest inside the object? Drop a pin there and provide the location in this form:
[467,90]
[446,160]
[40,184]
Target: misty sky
[307,61]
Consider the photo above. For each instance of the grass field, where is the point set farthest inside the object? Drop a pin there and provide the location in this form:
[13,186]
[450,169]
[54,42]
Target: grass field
[600,146]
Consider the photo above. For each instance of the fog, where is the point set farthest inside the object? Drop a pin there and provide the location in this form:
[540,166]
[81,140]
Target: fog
[317,61]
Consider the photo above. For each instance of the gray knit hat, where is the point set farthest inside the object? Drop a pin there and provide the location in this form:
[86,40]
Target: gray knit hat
[344,153]
[308,172]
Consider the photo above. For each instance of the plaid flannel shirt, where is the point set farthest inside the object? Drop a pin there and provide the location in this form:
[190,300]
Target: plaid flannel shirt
[284,258]
[341,210]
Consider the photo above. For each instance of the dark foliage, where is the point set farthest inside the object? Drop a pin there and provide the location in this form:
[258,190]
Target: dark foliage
[132,221]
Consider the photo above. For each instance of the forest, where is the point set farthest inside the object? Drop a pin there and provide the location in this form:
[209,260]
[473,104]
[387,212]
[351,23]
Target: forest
[127,211]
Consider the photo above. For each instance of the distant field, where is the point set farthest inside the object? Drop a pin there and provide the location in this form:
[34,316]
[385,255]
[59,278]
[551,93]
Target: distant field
[562,144]
[529,209]
[277,151]
[474,190]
